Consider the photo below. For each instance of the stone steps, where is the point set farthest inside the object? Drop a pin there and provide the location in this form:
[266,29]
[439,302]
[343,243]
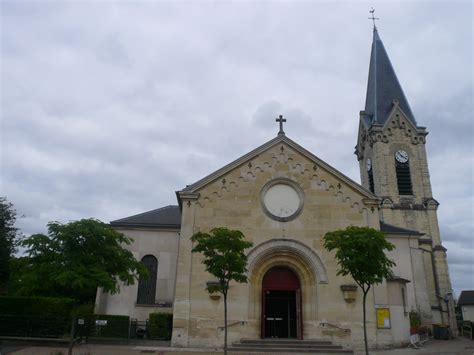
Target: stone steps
[288,346]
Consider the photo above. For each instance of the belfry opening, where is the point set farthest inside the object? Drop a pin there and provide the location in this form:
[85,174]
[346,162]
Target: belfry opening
[281,304]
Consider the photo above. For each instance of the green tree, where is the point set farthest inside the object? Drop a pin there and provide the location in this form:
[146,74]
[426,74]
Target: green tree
[360,252]
[8,234]
[74,259]
[224,258]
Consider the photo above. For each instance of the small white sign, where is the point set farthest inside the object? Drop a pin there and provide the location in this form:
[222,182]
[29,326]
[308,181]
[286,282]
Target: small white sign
[80,321]
[100,322]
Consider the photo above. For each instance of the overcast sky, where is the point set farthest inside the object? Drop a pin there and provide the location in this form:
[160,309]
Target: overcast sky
[109,107]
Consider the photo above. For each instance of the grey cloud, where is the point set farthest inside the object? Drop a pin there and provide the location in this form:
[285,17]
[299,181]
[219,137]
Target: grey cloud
[108,108]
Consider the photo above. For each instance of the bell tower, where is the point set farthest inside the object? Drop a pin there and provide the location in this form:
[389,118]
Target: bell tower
[393,165]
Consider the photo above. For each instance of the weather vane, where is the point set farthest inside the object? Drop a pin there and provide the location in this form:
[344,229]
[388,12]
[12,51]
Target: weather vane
[373,18]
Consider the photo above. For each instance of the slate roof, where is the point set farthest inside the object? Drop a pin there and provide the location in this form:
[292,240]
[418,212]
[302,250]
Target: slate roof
[164,217]
[383,86]
[390,229]
[466,298]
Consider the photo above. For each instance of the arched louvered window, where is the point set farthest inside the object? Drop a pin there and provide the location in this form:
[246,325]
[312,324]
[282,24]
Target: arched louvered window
[403,178]
[371,180]
[147,285]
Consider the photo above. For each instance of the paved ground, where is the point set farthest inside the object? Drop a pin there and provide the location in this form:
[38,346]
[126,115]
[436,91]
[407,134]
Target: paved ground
[458,346]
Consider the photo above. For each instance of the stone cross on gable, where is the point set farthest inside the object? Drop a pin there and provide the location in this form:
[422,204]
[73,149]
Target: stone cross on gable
[280,119]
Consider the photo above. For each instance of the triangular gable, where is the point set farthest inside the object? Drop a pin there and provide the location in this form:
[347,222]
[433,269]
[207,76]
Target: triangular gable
[264,147]
[397,108]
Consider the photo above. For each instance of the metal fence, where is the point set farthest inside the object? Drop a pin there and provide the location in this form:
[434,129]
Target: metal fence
[139,329]
[467,330]
[85,328]
[35,326]
[94,327]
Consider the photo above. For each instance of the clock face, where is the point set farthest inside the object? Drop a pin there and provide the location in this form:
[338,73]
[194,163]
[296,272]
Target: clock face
[281,201]
[368,164]
[401,156]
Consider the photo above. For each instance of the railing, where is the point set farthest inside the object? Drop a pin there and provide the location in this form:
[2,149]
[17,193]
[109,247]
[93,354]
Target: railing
[241,322]
[35,326]
[345,330]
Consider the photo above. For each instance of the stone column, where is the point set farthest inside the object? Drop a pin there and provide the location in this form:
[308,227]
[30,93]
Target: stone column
[182,298]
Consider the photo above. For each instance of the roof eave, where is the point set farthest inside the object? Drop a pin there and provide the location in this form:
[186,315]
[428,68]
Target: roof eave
[146,225]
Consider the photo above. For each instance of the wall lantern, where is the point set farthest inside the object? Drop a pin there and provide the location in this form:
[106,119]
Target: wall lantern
[349,292]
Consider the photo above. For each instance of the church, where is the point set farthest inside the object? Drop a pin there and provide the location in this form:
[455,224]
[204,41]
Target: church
[285,199]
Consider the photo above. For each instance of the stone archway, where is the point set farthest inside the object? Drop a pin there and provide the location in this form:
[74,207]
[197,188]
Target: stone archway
[296,248]
[281,304]
[297,257]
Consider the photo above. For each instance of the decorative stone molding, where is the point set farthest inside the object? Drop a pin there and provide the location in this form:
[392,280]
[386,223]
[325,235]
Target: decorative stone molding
[386,202]
[407,205]
[294,186]
[425,241]
[302,251]
[349,292]
[431,204]
[440,248]
[214,295]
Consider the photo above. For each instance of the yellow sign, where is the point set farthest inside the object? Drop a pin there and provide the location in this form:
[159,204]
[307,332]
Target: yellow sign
[383,318]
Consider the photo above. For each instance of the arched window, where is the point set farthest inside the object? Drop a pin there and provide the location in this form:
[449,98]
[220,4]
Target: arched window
[147,285]
[403,178]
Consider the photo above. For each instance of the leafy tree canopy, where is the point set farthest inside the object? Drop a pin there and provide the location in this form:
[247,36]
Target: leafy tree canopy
[224,258]
[360,252]
[8,233]
[74,259]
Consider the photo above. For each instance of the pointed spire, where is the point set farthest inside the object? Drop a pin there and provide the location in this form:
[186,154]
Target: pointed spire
[383,88]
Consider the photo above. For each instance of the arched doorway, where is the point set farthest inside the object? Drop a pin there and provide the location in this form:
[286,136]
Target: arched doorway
[281,304]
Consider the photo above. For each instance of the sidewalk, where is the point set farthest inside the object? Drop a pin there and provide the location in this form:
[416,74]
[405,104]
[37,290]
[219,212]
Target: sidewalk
[458,346]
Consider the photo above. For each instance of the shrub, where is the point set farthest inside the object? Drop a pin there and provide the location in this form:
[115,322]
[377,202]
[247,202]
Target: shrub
[83,310]
[36,306]
[160,326]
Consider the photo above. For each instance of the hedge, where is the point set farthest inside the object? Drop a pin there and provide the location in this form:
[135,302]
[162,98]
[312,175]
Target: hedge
[160,325]
[36,306]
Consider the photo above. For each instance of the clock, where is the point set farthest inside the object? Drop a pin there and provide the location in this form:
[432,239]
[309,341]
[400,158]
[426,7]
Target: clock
[401,156]
[282,199]
[368,164]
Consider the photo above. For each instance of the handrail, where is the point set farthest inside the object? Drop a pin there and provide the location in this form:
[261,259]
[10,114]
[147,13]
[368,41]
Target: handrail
[335,326]
[242,322]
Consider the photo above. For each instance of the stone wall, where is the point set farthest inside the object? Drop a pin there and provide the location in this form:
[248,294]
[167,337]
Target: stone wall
[234,201]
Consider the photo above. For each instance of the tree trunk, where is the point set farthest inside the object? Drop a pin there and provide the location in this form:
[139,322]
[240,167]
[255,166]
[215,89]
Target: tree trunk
[365,326]
[225,323]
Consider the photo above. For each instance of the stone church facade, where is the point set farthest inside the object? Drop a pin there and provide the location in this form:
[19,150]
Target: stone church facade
[284,199]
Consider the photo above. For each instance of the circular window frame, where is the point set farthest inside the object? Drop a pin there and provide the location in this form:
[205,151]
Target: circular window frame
[292,184]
